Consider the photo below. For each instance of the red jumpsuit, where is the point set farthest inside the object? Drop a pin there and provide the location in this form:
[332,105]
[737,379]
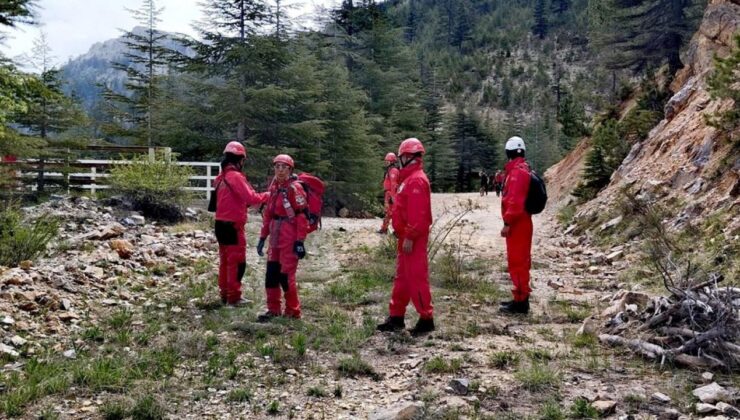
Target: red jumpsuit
[519,240]
[284,221]
[234,195]
[412,219]
[390,185]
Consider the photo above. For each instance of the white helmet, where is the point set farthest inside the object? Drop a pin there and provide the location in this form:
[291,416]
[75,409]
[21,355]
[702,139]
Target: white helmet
[515,143]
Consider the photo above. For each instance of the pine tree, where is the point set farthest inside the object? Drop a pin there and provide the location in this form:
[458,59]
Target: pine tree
[540,26]
[13,12]
[560,6]
[724,83]
[132,112]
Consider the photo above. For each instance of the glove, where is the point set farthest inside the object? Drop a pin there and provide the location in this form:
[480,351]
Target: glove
[299,249]
[260,247]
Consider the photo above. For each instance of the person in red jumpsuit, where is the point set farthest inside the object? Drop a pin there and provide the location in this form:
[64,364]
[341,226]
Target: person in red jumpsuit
[234,195]
[390,185]
[285,222]
[412,220]
[517,226]
[499,181]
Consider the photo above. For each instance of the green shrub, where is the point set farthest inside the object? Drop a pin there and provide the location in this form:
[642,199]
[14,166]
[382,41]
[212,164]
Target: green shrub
[155,188]
[23,240]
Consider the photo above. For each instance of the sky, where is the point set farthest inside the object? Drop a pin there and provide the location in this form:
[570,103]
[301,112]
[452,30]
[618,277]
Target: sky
[73,26]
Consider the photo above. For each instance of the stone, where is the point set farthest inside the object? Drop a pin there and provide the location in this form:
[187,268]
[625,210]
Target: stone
[702,408]
[343,212]
[661,398]
[137,220]
[109,232]
[401,411]
[725,408]
[589,326]
[712,393]
[109,302]
[70,354]
[614,256]
[66,304]
[18,341]
[611,223]
[123,247]
[604,407]
[291,372]
[669,414]
[7,350]
[7,320]
[26,264]
[594,269]
[94,271]
[454,402]
[460,386]
[707,377]
[68,316]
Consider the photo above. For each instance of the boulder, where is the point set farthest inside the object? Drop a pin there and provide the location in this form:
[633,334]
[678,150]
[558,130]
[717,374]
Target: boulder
[400,411]
[712,393]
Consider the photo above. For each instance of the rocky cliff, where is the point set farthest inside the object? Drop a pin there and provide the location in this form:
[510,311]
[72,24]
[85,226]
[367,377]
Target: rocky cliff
[683,160]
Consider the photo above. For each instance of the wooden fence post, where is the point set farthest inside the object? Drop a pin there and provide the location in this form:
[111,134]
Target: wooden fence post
[93,174]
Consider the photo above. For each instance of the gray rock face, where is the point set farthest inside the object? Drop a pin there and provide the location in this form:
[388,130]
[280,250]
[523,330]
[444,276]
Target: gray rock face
[712,393]
[401,411]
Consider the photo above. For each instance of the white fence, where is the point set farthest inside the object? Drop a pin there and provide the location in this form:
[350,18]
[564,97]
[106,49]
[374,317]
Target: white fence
[94,180]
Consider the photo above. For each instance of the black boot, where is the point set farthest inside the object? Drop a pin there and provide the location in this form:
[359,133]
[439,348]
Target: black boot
[516,307]
[506,303]
[423,326]
[266,317]
[392,323]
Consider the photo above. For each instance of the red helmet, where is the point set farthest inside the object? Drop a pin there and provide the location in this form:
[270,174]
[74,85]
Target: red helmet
[411,146]
[390,157]
[236,148]
[286,159]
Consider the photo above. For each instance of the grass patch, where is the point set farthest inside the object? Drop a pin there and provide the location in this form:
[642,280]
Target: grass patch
[317,391]
[239,395]
[551,410]
[273,408]
[352,367]
[503,359]
[114,409]
[440,365]
[539,355]
[538,377]
[586,340]
[582,409]
[354,290]
[147,407]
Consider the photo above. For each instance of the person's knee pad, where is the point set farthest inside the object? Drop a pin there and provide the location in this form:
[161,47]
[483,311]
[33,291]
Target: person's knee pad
[272,275]
[284,282]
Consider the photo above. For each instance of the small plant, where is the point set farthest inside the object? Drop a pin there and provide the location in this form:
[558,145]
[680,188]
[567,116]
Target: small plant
[582,409]
[23,239]
[586,340]
[240,395]
[114,409]
[147,408]
[539,355]
[317,391]
[337,391]
[538,377]
[550,410]
[156,187]
[273,408]
[299,343]
[503,359]
[354,366]
[94,333]
[438,364]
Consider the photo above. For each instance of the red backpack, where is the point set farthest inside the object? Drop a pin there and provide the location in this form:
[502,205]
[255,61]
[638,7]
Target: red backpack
[314,188]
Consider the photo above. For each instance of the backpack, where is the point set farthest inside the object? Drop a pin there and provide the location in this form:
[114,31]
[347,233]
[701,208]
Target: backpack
[314,188]
[537,196]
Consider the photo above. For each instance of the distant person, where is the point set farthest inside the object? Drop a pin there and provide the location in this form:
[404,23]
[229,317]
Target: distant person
[232,196]
[483,183]
[284,221]
[412,220]
[517,226]
[491,182]
[390,185]
[499,181]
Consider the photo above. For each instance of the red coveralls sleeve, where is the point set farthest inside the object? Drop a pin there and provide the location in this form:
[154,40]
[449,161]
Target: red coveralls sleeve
[244,191]
[393,176]
[267,213]
[418,218]
[297,198]
[517,187]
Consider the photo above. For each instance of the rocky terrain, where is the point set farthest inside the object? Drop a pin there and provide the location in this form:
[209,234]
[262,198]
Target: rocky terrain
[122,317]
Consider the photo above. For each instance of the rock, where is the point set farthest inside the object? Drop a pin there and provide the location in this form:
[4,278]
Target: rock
[109,232]
[291,372]
[589,326]
[712,393]
[401,411]
[707,377]
[454,402]
[70,354]
[15,277]
[7,350]
[123,247]
[68,316]
[594,269]
[26,264]
[725,408]
[411,363]
[669,414]
[18,341]
[160,250]
[614,256]
[109,302]
[94,271]
[343,212]
[611,223]
[661,398]
[703,408]
[461,386]
[66,304]
[604,407]
[7,320]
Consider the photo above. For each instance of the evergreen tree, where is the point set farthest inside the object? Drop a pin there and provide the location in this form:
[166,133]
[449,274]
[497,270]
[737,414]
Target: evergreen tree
[560,6]
[724,83]
[640,34]
[13,12]
[132,112]
[540,26]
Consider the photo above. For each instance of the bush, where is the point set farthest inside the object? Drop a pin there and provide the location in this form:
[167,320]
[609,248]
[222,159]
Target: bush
[155,188]
[21,240]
